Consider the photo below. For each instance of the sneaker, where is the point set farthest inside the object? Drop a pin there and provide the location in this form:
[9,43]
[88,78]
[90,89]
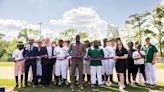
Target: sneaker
[72,86]
[134,83]
[59,83]
[81,87]
[101,85]
[154,85]
[34,86]
[121,88]
[110,83]
[92,86]
[147,84]
[103,82]
[107,83]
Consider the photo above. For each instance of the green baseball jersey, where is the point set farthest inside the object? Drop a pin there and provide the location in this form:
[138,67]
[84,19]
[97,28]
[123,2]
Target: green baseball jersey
[149,51]
[95,53]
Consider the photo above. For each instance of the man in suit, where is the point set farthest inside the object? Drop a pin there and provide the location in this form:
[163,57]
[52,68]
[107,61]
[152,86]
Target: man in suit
[77,50]
[29,52]
[47,62]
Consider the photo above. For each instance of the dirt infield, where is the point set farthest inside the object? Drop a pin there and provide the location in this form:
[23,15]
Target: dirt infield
[8,73]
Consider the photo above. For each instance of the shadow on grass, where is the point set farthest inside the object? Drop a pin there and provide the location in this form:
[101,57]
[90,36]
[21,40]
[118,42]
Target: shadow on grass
[113,88]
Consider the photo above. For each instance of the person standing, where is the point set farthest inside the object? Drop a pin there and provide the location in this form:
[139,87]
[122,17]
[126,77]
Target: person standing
[29,52]
[138,57]
[140,74]
[105,65]
[39,65]
[121,59]
[61,53]
[47,62]
[54,45]
[132,70]
[150,60]
[119,39]
[19,62]
[111,63]
[77,51]
[86,64]
[96,65]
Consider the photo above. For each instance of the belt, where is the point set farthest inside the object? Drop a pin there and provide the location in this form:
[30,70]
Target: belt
[60,59]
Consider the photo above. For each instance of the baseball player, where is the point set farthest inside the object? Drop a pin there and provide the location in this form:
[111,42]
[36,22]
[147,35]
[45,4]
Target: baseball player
[105,65]
[61,53]
[111,62]
[18,58]
[86,64]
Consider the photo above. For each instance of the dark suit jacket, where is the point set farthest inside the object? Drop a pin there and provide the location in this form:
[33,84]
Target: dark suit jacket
[43,51]
[32,53]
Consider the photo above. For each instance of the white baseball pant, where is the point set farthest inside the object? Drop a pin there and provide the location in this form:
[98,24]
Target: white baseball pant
[61,68]
[105,67]
[96,70]
[18,68]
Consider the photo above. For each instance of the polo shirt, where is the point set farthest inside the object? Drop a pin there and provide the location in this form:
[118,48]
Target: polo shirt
[149,52]
[121,52]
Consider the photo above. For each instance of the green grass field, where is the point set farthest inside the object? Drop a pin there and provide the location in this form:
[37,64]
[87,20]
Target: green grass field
[10,83]
[6,63]
[158,65]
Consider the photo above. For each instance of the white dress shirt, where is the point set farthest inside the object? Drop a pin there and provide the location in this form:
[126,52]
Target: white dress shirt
[49,51]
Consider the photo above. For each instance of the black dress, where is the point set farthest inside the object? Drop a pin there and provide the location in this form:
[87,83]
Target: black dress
[121,64]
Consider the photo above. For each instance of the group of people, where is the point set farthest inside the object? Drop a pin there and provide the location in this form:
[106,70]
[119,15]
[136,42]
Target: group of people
[89,62]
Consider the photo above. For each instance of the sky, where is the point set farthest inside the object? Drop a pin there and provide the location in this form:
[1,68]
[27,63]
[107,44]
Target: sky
[57,15]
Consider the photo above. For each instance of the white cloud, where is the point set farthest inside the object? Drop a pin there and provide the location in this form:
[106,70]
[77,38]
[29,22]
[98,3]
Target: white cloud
[162,2]
[11,27]
[81,17]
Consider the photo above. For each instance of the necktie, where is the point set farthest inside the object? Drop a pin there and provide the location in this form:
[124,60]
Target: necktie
[30,47]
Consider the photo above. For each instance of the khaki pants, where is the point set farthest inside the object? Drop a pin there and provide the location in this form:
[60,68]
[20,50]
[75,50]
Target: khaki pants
[79,64]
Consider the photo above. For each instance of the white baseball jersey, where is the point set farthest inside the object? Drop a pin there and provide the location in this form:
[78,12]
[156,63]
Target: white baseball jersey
[105,66]
[112,52]
[111,63]
[18,54]
[86,64]
[61,62]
